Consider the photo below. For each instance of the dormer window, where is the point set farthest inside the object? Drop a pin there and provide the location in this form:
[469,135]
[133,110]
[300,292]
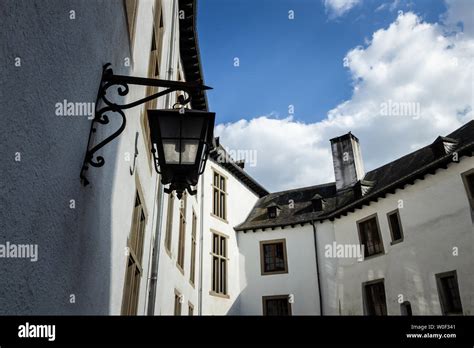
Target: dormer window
[273,211]
[318,202]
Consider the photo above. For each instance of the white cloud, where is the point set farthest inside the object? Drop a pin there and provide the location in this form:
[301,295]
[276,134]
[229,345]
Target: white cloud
[337,8]
[390,6]
[409,62]
[461,12]
[290,154]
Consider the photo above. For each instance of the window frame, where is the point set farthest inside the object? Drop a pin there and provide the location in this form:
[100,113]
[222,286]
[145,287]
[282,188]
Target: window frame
[441,293]
[365,299]
[192,266]
[221,193]
[182,234]
[262,256]
[215,291]
[405,309]
[276,297]
[178,305]
[154,61]
[367,218]
[135,249]
[470,195]
[169,224]
[402,235]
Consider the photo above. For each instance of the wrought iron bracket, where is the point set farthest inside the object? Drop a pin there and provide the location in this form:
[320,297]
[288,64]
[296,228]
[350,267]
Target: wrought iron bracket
[104,106]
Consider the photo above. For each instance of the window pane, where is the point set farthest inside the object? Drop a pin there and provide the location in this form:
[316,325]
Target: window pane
[169,222]
[274,257]
[470,184]
[182,228]
[222,286]
[277,306]
[177,305]
[215,244]
[215,203]
[222,205]
[375,299]
[370,237]
[214,273]
[223,250]
[450,297]
[395,226]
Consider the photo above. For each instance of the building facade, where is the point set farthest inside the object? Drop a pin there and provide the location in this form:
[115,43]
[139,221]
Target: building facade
[121,245]
[397,240]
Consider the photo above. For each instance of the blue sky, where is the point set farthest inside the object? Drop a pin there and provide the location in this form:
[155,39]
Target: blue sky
[339,63]
[286,62]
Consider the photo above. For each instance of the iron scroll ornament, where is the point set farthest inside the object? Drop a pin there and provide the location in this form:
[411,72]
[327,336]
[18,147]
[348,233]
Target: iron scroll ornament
[121,82]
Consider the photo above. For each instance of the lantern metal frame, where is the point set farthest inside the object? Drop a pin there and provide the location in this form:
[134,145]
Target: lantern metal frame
[121,82]
[181,176]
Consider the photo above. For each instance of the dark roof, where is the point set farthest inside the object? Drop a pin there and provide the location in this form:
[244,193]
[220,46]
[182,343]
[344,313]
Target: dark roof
[222,158]
[189,49]
[376,184]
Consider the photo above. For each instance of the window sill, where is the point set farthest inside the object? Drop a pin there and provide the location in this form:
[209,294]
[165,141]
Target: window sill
[178,266]
[274,273]
[374,256]
[396,241]
[215,294]
[219,218]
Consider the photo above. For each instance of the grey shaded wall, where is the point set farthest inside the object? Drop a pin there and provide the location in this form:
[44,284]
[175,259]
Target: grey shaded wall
[60,59]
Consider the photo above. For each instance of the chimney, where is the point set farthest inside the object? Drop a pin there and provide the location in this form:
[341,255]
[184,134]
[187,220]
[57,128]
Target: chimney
[347,160]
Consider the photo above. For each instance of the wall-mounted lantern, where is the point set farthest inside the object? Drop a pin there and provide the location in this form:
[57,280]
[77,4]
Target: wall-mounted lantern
[181,139]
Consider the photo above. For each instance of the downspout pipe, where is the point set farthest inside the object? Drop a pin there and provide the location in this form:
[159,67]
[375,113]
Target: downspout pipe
[201,237]
[321,312]
[156,251]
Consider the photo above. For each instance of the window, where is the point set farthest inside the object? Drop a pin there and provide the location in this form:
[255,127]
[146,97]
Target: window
[169,222]
[369,234]
[374,296]
[192,268]
[153,72]
[405,309]
[190,309]
[182,231]
[448,292]
[131,13]
[395,225]
[178,300]
[219,196]
[219,264]
[468,179]
[134,260]
[273,257]
[273,211]
[276,305]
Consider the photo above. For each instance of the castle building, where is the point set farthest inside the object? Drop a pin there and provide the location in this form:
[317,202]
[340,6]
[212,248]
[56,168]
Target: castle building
[394,240]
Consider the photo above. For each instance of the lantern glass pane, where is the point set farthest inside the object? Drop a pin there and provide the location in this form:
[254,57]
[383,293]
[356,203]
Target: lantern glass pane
[171,149]
[169,126]
[192,127]
[190,148]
